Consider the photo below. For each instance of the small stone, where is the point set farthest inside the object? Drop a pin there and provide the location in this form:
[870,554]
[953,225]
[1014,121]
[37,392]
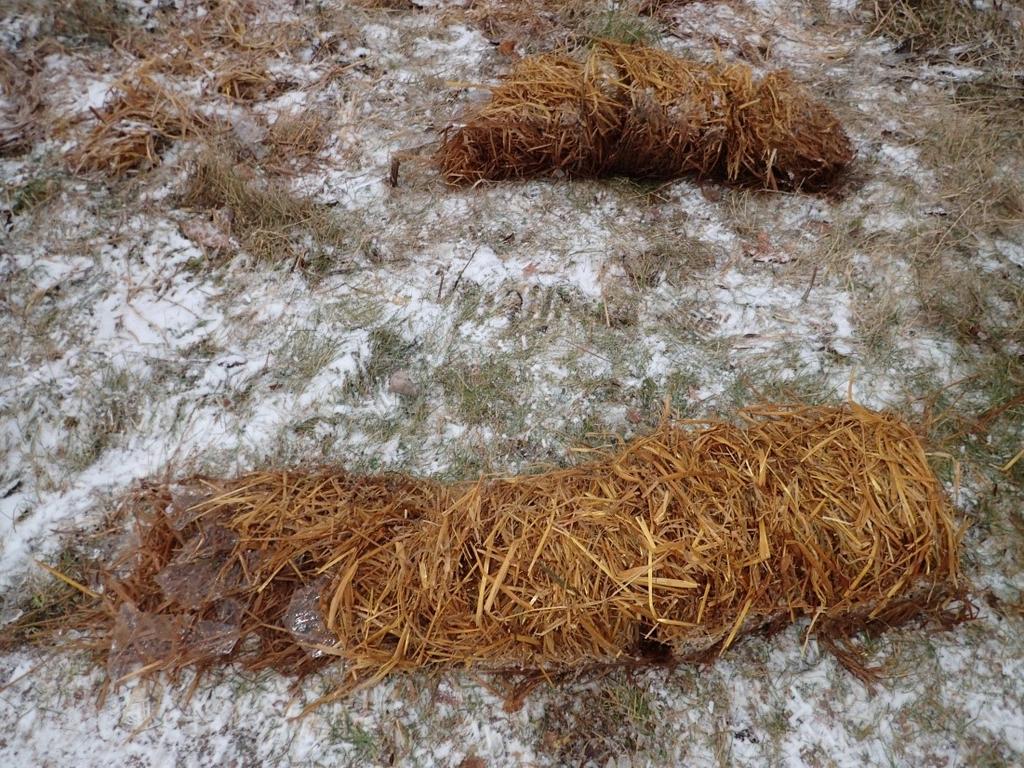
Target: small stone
[402,384]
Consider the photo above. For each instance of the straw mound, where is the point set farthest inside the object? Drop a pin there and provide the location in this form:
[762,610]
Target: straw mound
[644,113]
[133,131]
[674,546]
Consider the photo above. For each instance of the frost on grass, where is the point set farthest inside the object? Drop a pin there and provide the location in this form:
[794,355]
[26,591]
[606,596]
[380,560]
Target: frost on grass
[151,328]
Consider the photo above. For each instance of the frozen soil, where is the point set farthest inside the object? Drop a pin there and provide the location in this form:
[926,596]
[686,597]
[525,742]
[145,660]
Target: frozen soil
[150,331]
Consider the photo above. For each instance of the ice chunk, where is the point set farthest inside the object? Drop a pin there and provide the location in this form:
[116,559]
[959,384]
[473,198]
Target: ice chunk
[182,509]
[305,621]
[202,571]
[140,639]
[218,635]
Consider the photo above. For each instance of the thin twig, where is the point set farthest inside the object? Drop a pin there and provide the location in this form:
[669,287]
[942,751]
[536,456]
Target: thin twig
[462,271]
[814,274]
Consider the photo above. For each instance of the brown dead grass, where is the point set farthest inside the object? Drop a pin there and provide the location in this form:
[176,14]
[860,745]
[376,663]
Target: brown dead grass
[644,113]
[153,107]
[386,5]
[47,601]
[298,134]
[271,222]
[976,152]
[952,29]
[142,120]
[530,22]
[676,544]
[100,22]
[230,40]
[241,80]
[19,127]
[545,25]
[237,27]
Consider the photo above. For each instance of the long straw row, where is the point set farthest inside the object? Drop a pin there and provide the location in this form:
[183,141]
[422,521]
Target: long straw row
[676,544]
[645,113]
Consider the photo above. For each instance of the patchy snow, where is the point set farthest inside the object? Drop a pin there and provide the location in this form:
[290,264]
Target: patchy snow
[127,356]
[759,315]
[1011,250]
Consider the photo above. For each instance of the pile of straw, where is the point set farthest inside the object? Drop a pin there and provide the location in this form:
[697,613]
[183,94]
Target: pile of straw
[641,112]
[674,545]
[134,129]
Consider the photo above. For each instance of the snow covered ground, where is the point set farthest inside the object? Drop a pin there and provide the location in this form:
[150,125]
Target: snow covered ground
[146,333]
